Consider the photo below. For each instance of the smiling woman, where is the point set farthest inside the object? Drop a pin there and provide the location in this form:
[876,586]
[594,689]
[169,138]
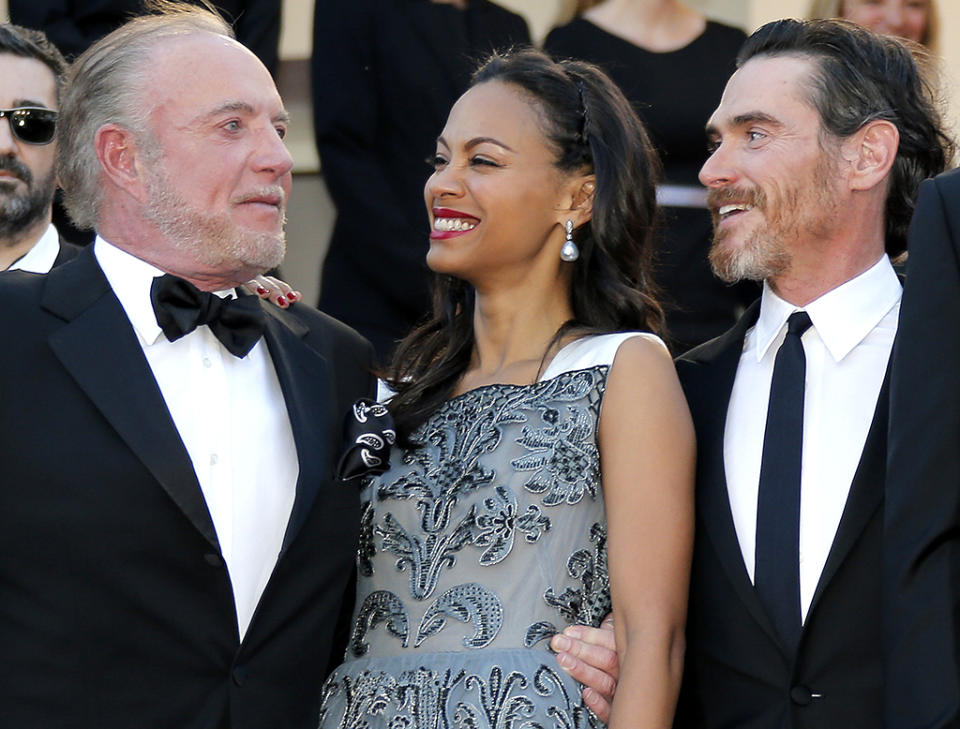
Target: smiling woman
[545,441]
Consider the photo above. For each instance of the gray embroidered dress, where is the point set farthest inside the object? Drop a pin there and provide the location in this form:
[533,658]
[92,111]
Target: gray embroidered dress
[474,550]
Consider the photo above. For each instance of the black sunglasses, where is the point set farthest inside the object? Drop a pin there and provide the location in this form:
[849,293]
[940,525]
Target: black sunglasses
[31,124]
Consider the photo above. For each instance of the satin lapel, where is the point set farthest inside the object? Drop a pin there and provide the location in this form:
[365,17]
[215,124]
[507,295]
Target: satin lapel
[99,349]
[305,380]
[707,374]
[866,492]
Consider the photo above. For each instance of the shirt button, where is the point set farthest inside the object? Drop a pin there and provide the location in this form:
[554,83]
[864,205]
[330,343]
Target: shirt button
[213,459]
[207,363]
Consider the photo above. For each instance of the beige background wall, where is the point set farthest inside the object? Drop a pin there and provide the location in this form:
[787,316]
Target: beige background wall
[311,212]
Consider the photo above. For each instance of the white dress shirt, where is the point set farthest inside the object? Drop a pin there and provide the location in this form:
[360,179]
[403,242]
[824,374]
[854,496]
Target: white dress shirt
[233,421]
[41,257]
[846,350]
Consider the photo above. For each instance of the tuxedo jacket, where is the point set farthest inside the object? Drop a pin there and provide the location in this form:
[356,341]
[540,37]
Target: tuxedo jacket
[738,674]
[68,251]
[922,530]
[116,607]
[385,74]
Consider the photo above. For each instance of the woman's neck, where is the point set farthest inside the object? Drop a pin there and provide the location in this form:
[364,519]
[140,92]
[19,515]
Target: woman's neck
[513,334]
[660,26]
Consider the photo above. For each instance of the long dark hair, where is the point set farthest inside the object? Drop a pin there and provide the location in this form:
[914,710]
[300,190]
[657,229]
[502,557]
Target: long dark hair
[593,128]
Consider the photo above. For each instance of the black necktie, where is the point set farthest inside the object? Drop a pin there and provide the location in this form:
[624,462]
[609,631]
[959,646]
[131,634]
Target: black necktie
[181,307]
[777,573]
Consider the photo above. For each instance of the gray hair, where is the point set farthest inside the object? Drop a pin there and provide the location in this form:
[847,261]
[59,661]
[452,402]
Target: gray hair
[104,85]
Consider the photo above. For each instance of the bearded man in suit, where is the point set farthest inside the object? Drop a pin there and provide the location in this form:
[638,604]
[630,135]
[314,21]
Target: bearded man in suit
[819,144]
[174,545]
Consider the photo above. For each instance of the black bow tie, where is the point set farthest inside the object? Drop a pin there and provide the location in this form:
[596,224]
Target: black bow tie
[181,307]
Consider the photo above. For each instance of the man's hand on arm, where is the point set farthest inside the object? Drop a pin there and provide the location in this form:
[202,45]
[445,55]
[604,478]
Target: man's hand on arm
[590,656]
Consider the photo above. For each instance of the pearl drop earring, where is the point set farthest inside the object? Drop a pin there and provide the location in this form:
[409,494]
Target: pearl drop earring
[569,252]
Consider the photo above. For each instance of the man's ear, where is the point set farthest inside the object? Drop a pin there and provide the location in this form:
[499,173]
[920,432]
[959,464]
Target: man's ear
[118,155]
[872,151]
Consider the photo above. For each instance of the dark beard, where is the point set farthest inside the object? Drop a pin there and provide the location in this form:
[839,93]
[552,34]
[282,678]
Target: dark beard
[18,212]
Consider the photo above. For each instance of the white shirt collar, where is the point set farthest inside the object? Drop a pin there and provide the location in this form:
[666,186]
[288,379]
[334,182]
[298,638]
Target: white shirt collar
[131,278]
[41,257]
[842,317]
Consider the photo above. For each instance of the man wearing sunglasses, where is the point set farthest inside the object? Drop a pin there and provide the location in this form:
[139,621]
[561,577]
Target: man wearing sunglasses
[31,70]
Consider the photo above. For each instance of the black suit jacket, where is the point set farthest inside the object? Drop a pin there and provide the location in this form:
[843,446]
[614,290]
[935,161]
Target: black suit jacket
[385,74]
[922,531]
[68,251]
[116,608]
[737,674]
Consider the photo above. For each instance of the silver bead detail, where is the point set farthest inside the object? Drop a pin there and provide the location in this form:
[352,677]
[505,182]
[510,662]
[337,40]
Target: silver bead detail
[569,252]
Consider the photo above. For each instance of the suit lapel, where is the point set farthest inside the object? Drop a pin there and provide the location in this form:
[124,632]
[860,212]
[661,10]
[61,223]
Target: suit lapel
[707,374]
[99,349]
[866,493]
[305,380]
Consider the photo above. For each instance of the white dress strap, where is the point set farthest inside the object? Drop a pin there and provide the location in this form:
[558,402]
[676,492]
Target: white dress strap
[592,351]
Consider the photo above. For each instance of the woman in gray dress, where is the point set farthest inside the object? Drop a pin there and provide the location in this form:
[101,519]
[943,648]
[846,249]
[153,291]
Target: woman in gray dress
[545,465]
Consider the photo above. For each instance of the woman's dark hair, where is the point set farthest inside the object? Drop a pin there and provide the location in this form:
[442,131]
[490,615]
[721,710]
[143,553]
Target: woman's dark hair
[860,77]
[594,129]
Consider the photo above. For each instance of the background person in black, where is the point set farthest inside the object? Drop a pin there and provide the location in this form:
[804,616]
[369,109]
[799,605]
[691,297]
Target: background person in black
[74,26]
[31,72]
[672,64]
[385,74]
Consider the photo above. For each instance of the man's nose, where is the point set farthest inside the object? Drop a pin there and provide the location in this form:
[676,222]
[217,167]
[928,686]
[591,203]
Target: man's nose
[718,169]
[8,143]
[272,155]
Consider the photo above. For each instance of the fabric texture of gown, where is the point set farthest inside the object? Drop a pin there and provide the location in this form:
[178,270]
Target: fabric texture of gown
[474,550]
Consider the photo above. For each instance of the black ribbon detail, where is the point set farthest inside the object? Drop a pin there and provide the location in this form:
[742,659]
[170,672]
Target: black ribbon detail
[181,307]
[368,435]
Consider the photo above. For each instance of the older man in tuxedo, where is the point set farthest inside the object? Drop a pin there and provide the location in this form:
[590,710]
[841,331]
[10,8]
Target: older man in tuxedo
[817,158]
[174,545]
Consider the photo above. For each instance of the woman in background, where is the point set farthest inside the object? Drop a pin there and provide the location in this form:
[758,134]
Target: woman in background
[672,64]
[384,74]
[541,424]
[915,20]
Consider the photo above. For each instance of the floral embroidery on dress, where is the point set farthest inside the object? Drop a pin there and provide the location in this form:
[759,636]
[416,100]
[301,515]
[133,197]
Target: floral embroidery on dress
[471,603]
[379,607]
[498,522]
[564,456]
[427,699]
[366,550]
[425,558]
[591,602]
[475,548]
